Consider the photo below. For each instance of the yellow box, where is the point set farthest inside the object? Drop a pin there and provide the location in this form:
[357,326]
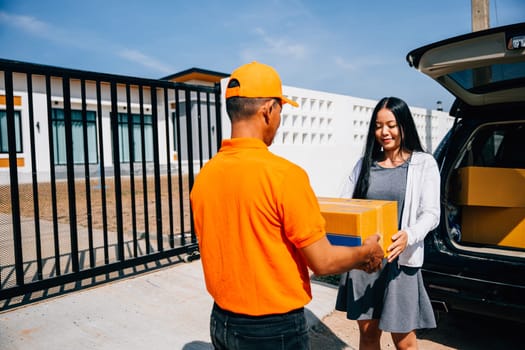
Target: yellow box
[491,187]
[494,225]
[359,219]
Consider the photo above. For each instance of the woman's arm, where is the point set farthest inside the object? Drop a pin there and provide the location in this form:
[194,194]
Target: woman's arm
[427,210]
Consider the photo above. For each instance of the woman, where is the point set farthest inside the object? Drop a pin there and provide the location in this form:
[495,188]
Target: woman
[394,167]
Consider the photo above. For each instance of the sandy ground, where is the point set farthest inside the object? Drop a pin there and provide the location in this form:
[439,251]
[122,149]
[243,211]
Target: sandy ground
[454,331]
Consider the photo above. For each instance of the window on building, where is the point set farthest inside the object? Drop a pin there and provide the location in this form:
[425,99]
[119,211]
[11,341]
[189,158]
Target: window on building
[4,143]
[59,137]
[123,134]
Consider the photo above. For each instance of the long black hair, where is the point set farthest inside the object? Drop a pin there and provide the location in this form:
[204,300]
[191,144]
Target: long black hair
[373,152]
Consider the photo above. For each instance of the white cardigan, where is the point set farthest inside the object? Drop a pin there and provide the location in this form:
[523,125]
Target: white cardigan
[421,210]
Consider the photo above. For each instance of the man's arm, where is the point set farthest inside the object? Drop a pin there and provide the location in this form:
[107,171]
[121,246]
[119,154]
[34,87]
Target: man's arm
[323,258]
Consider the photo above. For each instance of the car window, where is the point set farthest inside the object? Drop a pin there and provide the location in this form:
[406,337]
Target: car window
[489,78]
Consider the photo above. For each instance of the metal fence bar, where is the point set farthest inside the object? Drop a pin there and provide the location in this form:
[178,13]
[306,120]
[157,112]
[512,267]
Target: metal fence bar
[144,174]
[73,233]
[199,128]
[117,173]
[168,158]
[189,135]
[87,176]
[156,167]
[56,246]
[218,124]
[208,120]
[102,173]
[179,163]
[34,178]
[131,145]
[13,173]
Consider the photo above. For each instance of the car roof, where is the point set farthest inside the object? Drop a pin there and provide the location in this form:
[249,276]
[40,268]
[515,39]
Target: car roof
[479,68]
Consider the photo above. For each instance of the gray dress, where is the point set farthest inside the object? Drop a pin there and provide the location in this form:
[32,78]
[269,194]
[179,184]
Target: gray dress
[395,295]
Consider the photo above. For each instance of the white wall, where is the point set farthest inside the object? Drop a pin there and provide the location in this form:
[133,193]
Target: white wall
[326,134]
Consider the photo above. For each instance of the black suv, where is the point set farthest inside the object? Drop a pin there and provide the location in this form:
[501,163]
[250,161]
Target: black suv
[475,259]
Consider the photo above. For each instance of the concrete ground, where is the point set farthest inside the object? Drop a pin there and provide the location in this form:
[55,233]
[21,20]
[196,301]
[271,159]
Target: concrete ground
[165,309]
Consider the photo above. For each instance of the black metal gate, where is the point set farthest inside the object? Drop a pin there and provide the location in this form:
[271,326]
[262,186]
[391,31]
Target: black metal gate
[95,174]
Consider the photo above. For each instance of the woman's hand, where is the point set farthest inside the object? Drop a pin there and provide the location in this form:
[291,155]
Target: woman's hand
[399,244]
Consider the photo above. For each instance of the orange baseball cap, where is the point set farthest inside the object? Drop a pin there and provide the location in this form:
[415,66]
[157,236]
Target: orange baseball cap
[257,80]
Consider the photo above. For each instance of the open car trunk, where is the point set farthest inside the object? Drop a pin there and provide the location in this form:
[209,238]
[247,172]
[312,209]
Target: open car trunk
[485,190]
[484,187]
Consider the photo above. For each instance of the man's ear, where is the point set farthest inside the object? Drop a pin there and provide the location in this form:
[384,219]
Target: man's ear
[266,109]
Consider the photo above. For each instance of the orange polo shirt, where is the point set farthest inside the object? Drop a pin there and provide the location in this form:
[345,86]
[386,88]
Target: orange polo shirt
[252,211]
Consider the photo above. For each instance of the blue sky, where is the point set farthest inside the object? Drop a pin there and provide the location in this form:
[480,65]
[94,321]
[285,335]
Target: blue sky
[351,47]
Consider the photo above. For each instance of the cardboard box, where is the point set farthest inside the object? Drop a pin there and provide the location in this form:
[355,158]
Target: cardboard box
[350,221]
[491,187]
[494,225]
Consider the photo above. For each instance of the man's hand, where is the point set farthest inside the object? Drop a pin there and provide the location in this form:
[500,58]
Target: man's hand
[374,256]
